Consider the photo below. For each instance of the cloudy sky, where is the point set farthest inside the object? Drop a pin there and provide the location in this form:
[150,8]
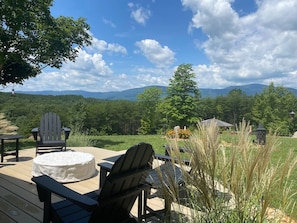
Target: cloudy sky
[140,43]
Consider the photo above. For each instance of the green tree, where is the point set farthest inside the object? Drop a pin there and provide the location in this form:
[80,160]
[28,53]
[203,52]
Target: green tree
[209,108]
[99,117]
[182,97]
[271,108]
[31,39]
[219,108]
[78,116]
[124,116]
[238,106]
[149,101]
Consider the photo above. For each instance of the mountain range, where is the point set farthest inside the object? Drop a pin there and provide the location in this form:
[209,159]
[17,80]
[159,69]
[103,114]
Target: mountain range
[131,94]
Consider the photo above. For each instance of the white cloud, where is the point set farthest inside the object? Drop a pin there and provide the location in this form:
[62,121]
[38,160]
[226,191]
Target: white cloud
[102,46]
[154,76]
[139,14]
[149,80]
[88,70]
[88,63]
[155,53]
[279,15]
[116,48]
[108,22]
[258,46]
[224,20]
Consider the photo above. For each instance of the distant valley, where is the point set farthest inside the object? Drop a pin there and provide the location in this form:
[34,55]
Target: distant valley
[131,94]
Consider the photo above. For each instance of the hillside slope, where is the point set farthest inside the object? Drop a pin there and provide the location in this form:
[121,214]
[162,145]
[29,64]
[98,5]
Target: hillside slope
[131,94]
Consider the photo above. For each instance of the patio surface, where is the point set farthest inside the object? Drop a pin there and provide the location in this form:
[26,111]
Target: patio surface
[18,195]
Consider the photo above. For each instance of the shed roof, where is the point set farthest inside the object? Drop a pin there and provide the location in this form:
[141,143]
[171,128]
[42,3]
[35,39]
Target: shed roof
[217,122]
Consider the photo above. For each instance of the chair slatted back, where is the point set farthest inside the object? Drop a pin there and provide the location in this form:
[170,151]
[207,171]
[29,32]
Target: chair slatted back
[50,127]
[127,174]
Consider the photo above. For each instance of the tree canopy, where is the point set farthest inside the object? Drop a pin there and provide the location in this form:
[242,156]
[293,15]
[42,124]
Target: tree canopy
[31,39]
[272,107]
[182,97]
[148,102]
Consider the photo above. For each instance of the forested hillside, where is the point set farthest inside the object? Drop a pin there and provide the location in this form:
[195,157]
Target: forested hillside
[123,117]
[91,115]
[131,94]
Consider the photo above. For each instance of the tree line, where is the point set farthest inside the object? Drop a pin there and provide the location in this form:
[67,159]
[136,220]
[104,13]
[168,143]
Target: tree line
[151,114]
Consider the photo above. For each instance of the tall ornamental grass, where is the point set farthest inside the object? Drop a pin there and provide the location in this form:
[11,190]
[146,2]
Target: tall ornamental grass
[232,182]
[78,138]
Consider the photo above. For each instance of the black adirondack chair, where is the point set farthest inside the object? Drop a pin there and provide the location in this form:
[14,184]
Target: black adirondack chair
[113,202]
[50,134]
[167,175]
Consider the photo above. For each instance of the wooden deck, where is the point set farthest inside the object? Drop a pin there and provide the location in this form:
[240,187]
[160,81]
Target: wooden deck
[18,195]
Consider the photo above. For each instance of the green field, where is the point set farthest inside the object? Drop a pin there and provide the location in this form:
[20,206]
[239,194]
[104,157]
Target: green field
[120,142]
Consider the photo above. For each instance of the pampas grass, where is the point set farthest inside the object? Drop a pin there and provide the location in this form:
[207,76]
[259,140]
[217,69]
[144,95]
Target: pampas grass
[233,183]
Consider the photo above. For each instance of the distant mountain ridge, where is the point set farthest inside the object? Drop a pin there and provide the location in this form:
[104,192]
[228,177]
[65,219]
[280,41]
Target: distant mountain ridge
[131,94]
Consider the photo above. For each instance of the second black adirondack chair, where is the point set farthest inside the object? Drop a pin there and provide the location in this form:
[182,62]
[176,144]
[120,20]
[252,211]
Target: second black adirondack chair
[50,134]
[167,175]
[113,202]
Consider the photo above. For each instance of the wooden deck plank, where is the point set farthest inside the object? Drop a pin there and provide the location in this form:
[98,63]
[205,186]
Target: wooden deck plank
[28,191]
[15,213]
[5,218]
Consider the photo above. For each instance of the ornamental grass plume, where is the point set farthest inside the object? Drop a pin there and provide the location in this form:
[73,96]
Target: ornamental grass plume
[233,183]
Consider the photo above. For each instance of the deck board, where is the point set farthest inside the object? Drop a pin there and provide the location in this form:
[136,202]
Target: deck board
[5,218]
[18,195]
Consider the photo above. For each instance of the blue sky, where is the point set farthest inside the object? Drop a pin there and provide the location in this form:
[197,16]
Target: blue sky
[140,43]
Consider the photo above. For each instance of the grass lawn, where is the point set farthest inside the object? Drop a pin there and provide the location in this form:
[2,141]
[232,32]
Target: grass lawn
[120,142]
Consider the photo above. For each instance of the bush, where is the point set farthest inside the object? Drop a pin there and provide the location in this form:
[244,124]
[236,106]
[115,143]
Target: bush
[181,134]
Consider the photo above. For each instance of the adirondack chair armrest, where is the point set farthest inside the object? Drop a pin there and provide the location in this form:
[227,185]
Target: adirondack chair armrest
[47,185]
[67,132]
[105,168]
[105,165]
[168,149]
[167,158]
[35,133]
